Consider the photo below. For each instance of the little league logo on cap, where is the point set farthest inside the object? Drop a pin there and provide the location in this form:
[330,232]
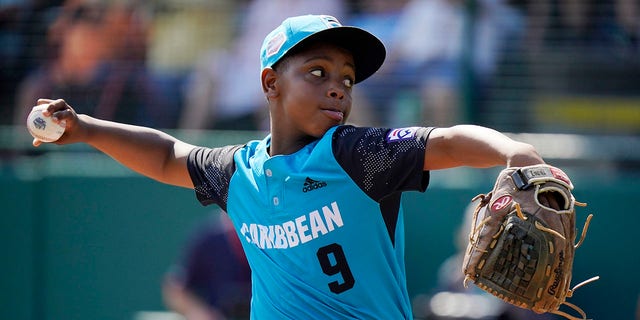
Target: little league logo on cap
[275,43]
[291,32]
[367,50]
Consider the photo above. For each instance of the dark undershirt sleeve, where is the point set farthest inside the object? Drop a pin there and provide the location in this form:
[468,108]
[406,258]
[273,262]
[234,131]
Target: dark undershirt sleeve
[211,170]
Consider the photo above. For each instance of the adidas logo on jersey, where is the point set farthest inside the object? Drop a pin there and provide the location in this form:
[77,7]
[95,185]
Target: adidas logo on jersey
[310,184]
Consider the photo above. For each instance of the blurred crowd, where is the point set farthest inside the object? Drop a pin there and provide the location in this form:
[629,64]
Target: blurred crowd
[194,64]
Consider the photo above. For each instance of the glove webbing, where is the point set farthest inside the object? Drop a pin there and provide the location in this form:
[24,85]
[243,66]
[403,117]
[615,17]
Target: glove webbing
[521,275]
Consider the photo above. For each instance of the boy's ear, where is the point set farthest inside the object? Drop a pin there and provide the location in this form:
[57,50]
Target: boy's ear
[269,78]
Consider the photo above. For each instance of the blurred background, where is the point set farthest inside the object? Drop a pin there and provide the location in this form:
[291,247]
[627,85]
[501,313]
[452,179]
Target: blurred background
[85,238]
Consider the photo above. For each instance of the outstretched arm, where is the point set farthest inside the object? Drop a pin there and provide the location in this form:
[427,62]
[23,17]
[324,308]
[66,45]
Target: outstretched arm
[147,151]
[476,146]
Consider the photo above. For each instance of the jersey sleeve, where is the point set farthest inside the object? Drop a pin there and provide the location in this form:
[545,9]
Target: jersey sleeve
[383,161]
[211,170]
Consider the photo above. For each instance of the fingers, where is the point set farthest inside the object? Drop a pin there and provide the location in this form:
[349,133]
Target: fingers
[60,117]
[36,142]
[58,110]
[47,103]
[62,114]
[543,200]
[53,105]
[553,202]
[548,200]
[44,101]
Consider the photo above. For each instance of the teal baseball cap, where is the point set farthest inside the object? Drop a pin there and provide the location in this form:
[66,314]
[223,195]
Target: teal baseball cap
[367,50]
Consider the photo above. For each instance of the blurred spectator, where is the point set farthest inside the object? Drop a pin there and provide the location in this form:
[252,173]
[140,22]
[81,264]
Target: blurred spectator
[580,23]
[421,80]
[213,280]
[224,89]
[184,30]
[22,24]
[380,17]
[627,14]
[97,62]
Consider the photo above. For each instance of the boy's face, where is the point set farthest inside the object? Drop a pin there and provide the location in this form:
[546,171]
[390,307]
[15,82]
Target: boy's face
[314,90]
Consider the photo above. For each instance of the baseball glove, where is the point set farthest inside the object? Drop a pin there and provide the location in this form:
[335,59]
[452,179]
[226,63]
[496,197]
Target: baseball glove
[522,240]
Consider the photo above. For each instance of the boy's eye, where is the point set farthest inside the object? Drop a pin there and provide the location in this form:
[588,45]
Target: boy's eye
[348,82]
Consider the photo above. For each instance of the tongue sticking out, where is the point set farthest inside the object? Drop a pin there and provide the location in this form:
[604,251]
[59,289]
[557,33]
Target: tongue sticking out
[335,115]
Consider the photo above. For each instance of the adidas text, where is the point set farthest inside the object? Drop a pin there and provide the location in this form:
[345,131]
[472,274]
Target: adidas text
[310,185]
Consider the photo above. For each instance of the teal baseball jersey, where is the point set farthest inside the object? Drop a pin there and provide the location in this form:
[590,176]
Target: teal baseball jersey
[322,228]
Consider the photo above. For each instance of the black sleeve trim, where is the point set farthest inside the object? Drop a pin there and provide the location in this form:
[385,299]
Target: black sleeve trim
[380,162]
[211,170]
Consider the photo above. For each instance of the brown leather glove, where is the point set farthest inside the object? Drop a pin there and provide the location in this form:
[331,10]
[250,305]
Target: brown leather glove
[522,240]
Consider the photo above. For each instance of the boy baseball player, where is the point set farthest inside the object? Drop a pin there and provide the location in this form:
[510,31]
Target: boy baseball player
[316,203]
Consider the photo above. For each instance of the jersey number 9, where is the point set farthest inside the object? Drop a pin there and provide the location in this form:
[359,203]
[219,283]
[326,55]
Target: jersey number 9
[337,265]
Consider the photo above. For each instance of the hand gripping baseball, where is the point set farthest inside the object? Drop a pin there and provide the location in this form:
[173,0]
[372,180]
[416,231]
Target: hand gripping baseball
[51,121]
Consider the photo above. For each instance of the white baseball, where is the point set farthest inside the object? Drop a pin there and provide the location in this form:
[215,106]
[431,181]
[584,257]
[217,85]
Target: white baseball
[43,128]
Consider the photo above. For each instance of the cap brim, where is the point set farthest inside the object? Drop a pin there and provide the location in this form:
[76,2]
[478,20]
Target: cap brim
[367,50]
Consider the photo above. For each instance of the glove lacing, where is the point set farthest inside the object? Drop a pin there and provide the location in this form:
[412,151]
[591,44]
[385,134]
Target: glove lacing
[484,200]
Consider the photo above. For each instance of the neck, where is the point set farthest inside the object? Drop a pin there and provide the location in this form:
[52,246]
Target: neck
[283,144]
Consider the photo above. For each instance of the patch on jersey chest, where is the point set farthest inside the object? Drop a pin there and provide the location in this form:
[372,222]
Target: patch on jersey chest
[401,134]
